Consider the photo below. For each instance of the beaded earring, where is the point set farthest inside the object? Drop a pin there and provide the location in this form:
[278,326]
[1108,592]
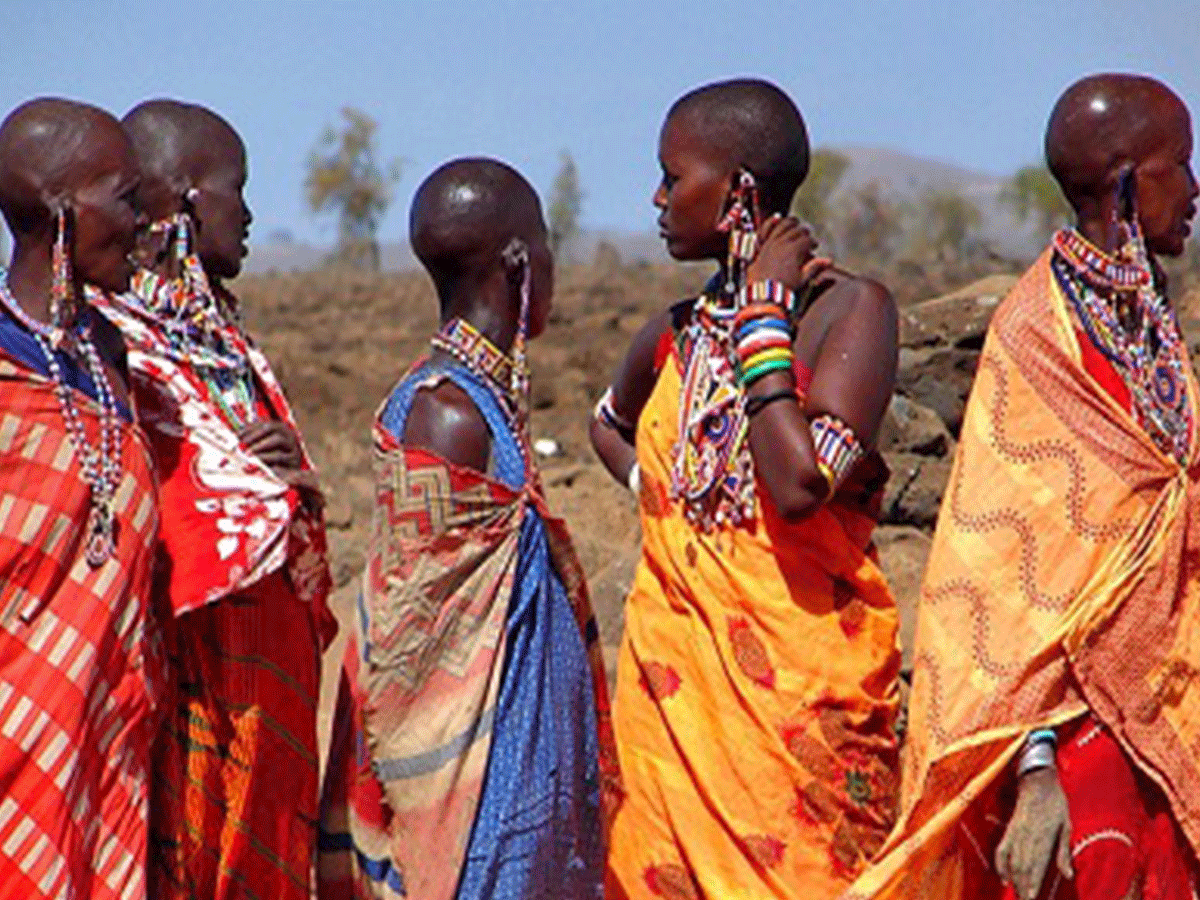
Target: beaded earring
[62,288]
[1131,247]
[515,254]
[740,221]
[182,240]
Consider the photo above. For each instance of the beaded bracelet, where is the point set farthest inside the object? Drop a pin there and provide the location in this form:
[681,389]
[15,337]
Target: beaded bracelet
[763,337]
[1042,735]
[772,292]
[607,413]
[836,447]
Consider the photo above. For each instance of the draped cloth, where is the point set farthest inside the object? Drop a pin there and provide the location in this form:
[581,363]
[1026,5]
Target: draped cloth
[471,743]
[245,574]
[756,692]
[1062,581]
[81,661]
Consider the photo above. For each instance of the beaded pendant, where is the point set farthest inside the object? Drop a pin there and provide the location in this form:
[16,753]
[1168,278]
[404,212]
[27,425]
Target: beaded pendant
[712,474]
[101,466]
[101,531]
[1133,326]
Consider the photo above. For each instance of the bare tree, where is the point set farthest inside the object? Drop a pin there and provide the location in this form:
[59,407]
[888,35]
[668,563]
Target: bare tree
[869,224]
[344,177]
[1032,193]
[946,225]
[811,203]
[566,204]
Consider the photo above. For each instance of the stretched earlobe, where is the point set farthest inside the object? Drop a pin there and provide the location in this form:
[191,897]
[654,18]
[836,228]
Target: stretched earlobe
[515,254]
[1126,193]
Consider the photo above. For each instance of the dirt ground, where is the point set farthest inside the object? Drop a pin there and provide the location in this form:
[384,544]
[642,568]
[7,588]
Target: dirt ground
[339,340]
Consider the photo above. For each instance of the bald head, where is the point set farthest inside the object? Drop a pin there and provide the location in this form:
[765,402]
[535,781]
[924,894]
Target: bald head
[1103,123]
[49,148]
[465,213]
[177,145]
[750,123]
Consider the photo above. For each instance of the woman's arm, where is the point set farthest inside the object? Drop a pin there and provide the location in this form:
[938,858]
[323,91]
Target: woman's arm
[613,425]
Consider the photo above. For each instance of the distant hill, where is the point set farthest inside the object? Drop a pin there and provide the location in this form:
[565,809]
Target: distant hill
[898,173]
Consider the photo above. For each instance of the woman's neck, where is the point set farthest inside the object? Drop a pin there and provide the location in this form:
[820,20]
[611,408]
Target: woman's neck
[30,279]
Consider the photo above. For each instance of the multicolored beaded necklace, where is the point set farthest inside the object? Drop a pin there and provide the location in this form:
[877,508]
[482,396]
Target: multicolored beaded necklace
[461,340]
[101,466]
[712,474]
[1130,322]
[201,330]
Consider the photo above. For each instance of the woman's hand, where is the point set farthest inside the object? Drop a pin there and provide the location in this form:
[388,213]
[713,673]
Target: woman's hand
[785,254]
[1039,830]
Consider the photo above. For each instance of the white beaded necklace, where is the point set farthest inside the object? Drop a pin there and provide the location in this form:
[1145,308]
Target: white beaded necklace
[102,467]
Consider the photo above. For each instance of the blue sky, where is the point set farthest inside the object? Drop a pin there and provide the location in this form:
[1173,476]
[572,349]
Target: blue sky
[969,82]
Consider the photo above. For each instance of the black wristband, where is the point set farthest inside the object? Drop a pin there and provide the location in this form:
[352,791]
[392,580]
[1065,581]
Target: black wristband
[756,404]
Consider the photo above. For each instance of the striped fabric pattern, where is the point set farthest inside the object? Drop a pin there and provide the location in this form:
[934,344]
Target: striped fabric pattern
[81,663]
[235,786]
[235,771]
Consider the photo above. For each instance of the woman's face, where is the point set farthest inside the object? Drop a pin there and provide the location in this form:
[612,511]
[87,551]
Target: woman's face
[1166,187]
[220,218]
[106,219]
[692,195]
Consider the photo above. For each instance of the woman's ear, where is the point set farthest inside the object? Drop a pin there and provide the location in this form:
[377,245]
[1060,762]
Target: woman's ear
[515,257]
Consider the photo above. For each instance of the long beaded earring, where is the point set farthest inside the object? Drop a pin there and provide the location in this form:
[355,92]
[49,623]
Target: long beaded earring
[62,288]
[740,221]
[516,254]
[182,239]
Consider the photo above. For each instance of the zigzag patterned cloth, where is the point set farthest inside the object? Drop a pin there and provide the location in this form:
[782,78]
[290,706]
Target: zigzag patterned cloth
[471,742]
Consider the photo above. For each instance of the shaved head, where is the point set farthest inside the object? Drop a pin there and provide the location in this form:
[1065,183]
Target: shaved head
[48,149]
[465,213]
[177,144]
[1104,122]
[753,124]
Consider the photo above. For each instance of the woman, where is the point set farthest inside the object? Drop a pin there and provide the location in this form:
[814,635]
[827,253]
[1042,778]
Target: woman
[756,688]
[244,572]
[81,666]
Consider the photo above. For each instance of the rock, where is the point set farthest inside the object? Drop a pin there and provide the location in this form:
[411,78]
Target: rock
[339,512]
[903,554]
[942,382]
[958,319]
[909,427]
[914,492]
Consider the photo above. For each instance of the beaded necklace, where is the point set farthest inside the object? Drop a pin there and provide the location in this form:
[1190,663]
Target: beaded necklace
[712,474]
[200,329]
[101,467]
[1130,322]
[462,341]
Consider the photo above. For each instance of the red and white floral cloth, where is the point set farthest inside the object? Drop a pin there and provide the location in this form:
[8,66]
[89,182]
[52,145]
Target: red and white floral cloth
[227,519]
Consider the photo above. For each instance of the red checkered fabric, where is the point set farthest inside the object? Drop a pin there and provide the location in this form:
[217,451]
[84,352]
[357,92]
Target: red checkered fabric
[81,663]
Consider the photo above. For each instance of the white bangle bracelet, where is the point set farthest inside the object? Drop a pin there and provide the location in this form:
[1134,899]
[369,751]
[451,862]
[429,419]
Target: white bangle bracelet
[1037,755]
[633,480]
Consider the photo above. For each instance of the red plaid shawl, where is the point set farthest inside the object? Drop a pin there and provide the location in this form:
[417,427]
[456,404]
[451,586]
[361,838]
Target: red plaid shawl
[81,665]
